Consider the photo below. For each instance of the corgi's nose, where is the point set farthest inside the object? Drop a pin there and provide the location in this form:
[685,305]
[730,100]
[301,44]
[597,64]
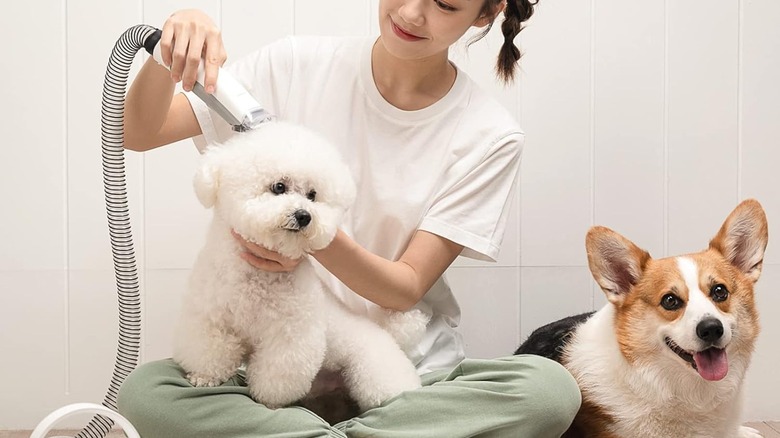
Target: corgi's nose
[709,329]
[302,217]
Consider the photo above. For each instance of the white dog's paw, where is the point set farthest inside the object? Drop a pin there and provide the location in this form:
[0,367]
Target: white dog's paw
[748,432]
[197,379]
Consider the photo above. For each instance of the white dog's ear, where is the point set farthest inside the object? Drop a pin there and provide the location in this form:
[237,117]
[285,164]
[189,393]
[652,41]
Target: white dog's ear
[206,182]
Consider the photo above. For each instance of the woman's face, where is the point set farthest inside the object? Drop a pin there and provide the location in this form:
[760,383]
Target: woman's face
[417,29]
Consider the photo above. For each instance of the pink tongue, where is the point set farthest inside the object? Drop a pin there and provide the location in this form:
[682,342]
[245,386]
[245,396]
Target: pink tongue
[712,363]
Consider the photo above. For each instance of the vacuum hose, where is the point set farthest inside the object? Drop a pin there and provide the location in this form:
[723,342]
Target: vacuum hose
[120,233]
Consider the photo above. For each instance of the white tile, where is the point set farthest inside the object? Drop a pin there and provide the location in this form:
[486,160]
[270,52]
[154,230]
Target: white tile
[32,170]
[763,380]
[702,121]
[551,293]
[244,17]
[489,299]
[351,17]
[760,108]
[629,120]
[175,221]
[164,290]
[556,188]
[33,332]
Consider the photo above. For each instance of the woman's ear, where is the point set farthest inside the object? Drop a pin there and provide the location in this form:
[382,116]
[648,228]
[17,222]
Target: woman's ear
[490,16]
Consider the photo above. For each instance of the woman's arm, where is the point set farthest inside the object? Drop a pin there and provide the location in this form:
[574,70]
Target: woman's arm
[153,115]
[395,285]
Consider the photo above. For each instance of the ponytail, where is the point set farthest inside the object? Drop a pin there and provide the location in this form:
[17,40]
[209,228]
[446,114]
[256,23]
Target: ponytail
[516,13]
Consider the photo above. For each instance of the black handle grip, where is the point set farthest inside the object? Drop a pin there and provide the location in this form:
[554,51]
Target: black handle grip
[152,40]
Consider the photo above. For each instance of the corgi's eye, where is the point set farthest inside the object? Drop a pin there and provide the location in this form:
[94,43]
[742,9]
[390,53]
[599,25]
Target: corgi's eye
[311,195]
[671,302]
[719,293]
[278,188]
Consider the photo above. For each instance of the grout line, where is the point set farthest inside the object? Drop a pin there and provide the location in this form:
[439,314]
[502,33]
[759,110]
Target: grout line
[740,38]
[66,177]
[665,128]
[593,127]
[774,425]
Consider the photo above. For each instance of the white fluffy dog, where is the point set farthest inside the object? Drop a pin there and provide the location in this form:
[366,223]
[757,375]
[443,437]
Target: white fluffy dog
[284,188]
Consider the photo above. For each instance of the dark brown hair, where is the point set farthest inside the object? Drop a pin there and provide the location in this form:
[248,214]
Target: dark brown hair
[516,13]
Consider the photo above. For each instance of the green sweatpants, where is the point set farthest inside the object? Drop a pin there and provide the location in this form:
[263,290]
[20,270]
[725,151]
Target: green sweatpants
[513,397]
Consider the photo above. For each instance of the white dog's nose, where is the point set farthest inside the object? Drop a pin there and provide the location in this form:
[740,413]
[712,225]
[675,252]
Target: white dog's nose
[302,217]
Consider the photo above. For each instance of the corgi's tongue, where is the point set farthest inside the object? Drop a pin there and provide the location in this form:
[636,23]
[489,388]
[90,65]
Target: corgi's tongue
[712,363]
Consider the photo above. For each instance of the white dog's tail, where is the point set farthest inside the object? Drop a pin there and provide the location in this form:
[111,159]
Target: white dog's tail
[407,328]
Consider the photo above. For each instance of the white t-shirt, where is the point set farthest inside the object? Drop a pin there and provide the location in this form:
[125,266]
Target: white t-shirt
[448,169]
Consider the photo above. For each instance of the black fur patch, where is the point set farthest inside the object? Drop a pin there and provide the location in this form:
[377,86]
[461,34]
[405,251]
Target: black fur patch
[549,340]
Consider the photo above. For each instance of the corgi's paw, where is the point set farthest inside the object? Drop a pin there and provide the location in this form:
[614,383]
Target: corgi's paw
[748,432]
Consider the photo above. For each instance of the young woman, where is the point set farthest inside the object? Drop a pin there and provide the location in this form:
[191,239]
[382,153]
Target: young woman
[435,160]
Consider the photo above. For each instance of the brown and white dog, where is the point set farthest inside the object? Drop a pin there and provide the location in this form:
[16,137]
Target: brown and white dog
[666,356]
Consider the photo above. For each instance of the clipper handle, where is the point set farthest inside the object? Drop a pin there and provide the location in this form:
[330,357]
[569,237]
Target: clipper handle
[230,99]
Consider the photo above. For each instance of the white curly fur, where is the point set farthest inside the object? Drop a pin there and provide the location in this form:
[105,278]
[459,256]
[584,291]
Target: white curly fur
[283,326]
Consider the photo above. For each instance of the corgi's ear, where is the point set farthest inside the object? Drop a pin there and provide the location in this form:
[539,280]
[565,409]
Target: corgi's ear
[743,237]
[206,181]
[615,262]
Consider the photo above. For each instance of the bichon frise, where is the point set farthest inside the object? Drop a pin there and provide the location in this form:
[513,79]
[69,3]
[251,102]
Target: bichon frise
[284,188]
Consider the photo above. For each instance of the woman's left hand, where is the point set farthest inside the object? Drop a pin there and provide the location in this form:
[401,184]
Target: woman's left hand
[263,258]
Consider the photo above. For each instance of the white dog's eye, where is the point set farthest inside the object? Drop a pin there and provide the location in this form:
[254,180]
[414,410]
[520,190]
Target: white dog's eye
[311,195]
[278,188]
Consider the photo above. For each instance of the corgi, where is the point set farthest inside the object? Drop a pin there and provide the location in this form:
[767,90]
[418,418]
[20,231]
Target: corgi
[666,356]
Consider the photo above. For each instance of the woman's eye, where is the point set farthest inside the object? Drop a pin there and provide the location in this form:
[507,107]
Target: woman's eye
[719,293]
[671,302]
[444,6]
[278,188]
[311,195]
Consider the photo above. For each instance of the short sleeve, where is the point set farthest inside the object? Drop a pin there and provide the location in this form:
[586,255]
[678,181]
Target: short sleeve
[473,210]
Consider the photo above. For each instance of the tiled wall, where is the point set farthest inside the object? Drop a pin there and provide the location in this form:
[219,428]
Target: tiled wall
[652,118]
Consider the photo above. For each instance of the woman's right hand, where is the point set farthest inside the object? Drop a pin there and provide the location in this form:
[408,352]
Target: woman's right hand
[188,36]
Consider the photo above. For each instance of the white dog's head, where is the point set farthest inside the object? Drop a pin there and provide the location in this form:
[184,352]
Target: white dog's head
[280,186]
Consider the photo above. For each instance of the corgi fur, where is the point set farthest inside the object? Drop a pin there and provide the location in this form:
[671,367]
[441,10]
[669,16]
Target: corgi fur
[667,355]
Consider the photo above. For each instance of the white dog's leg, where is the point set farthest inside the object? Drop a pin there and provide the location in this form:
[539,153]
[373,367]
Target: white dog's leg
[283,369]
[209,354]
[748,432]
[374,367]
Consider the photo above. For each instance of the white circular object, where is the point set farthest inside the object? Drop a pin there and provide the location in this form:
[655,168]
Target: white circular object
[82,408]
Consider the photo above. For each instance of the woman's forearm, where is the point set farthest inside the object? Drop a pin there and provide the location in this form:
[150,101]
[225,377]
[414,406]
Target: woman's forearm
[389,284]
[395,285]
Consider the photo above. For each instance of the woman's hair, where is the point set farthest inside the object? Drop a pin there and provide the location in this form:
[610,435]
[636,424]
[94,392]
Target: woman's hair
[516,13]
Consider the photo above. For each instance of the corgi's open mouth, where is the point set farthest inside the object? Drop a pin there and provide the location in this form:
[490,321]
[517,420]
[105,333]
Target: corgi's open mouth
[711,364]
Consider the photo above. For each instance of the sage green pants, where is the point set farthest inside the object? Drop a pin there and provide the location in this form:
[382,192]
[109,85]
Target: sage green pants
[513,397]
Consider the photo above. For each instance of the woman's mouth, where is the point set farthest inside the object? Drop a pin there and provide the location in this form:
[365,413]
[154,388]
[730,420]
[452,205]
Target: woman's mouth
[404,35]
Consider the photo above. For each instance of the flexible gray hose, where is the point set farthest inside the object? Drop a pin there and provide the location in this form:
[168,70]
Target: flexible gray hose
[120,233]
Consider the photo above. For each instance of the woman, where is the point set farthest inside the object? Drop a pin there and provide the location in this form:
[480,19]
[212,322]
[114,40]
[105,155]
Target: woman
[435,160]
